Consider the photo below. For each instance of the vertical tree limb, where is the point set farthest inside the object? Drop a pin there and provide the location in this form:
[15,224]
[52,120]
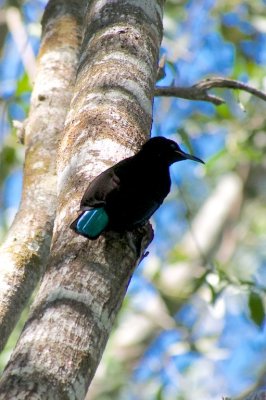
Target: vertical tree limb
[23,256]
[82,290]
[15,26]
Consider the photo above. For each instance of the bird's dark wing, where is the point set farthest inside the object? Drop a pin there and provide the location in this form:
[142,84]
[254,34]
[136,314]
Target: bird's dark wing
[100,187]
[105,183]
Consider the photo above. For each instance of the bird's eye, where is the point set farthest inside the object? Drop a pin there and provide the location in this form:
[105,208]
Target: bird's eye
[173,146]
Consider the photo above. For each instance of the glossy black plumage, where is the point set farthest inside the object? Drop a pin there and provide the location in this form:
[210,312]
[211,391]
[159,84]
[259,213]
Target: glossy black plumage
[133,189]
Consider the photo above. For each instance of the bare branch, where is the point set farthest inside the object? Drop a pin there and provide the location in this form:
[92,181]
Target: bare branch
[20,37]
[199,91]
[188,93]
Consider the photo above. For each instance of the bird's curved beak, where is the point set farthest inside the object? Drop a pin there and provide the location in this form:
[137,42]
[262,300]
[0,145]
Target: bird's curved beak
[187,156]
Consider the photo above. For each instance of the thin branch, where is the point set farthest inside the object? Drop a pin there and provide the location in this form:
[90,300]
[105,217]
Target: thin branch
[20,37]
[189,93]
[199,91]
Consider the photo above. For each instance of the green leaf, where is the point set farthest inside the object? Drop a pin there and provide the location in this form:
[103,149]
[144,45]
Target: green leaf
[159,394]
[223,111]
[23,85]
[256,308]
[8,159]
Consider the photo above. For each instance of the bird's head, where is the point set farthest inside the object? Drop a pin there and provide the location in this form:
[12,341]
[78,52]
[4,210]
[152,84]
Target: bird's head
[167,150]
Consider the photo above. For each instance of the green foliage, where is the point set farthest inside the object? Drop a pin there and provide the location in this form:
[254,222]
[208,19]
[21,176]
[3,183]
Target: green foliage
[256,308]
[23,86]
[8,158]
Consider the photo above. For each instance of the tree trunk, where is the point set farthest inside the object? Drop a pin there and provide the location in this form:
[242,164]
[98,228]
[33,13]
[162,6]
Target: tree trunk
[85,283]
[24,254]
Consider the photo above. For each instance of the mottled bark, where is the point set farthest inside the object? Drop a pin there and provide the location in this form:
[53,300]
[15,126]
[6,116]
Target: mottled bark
[24,254]
[85,283]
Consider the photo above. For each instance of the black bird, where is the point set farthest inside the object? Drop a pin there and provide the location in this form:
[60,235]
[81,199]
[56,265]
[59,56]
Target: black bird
[127,194]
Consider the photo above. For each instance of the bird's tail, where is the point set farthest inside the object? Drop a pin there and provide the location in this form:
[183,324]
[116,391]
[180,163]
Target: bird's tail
[91,223]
